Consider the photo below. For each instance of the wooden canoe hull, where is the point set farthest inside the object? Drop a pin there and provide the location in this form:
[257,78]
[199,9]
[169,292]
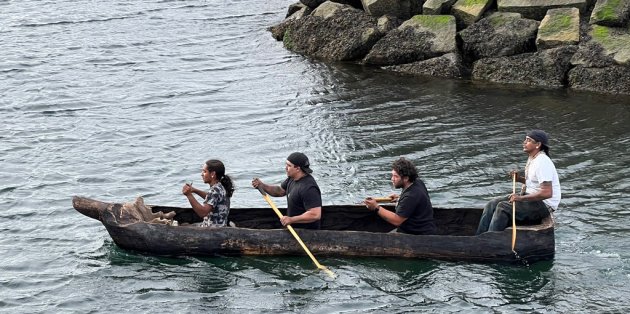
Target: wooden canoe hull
[369,238]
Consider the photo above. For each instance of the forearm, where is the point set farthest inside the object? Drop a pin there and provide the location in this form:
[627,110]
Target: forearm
[390,217]
[311,215]
[199,192]
[533,197]
[274,190]
[545,192]
[201,210]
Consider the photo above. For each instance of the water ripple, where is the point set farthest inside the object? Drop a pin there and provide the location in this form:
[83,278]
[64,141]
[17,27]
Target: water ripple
[112,100]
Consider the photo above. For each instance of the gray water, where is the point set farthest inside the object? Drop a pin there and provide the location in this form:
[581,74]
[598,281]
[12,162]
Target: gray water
[115,99]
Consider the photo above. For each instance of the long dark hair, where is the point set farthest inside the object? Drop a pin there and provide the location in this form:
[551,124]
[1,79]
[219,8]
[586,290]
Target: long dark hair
[218,167]
[545,148]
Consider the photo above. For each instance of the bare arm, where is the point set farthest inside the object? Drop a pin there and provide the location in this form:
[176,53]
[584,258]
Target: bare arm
[387,215]
[545,192]
[199,192]
[310,215]
[519,178]
[200,209]
[273,190]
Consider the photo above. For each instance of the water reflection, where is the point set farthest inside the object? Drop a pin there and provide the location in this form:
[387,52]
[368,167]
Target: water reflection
[524,284]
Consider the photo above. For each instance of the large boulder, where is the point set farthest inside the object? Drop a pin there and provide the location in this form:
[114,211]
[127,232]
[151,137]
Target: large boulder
[419,38]
[386,23]
[615,42]
[470,11]
[402,9]
[611,80]
[447,66]
[591,55]
[547,68]
[332,32]
[315,3]
[500,34]
[560,27]
[296,12]
[610,13]
[536,9]
[294,8]
[437,7]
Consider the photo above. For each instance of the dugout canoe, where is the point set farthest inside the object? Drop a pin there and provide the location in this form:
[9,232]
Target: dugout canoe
[347,230]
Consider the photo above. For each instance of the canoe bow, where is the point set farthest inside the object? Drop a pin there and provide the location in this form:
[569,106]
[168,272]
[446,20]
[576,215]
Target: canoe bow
[89,207]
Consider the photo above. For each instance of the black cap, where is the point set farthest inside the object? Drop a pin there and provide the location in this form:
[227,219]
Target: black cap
[301,161]
[539,136]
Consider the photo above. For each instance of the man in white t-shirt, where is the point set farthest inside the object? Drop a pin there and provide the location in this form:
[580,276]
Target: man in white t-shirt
[540,192]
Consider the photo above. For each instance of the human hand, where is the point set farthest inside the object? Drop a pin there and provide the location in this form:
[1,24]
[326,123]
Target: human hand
[515,198]
[187,189]
[256,182]
[286,220]
[370,203]
[513,173]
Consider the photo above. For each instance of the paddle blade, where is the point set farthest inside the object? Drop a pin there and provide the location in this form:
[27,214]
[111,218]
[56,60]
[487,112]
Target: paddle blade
[328,271]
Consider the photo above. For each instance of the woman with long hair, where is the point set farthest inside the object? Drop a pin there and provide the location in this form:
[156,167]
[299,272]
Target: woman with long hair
[216,204]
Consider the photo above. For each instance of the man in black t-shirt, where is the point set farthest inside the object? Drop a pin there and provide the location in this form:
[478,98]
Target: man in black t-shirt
[304,199]
[414,212]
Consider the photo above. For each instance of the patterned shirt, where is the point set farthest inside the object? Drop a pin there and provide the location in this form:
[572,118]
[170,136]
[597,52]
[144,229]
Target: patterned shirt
[220,206]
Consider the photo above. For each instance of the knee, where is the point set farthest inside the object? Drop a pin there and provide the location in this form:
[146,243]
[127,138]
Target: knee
[504,205]
[503,208]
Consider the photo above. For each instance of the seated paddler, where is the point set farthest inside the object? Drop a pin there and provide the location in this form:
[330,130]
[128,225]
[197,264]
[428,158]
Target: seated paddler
[540,193]
[304,199]
[414,212]
[215,206]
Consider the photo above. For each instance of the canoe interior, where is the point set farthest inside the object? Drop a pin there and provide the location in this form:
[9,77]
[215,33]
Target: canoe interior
[450,221]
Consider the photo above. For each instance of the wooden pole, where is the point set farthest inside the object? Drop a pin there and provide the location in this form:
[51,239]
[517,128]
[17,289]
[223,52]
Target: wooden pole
[295,235]
[513,213]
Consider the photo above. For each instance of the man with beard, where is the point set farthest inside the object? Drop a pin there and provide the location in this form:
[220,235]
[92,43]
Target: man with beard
[414,212]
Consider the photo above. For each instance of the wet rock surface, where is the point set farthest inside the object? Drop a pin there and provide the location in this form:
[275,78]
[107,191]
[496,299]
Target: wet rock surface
[577,44]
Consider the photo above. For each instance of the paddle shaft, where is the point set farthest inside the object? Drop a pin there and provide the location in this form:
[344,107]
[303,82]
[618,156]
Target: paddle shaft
[383,199]
[295,235]
[513,212]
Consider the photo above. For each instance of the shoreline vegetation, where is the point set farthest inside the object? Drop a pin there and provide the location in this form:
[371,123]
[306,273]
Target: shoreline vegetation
[575,44]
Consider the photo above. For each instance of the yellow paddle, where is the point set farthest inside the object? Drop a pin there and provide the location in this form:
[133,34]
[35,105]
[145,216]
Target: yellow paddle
[383,199]
[513,212]
[295,235]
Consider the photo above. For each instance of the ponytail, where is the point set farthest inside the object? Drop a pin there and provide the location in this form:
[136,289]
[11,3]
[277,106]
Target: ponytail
[546,150]
[226,181]
[218,167]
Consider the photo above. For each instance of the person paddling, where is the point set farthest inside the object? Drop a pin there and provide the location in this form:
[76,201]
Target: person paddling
[540,193]
[304,199]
